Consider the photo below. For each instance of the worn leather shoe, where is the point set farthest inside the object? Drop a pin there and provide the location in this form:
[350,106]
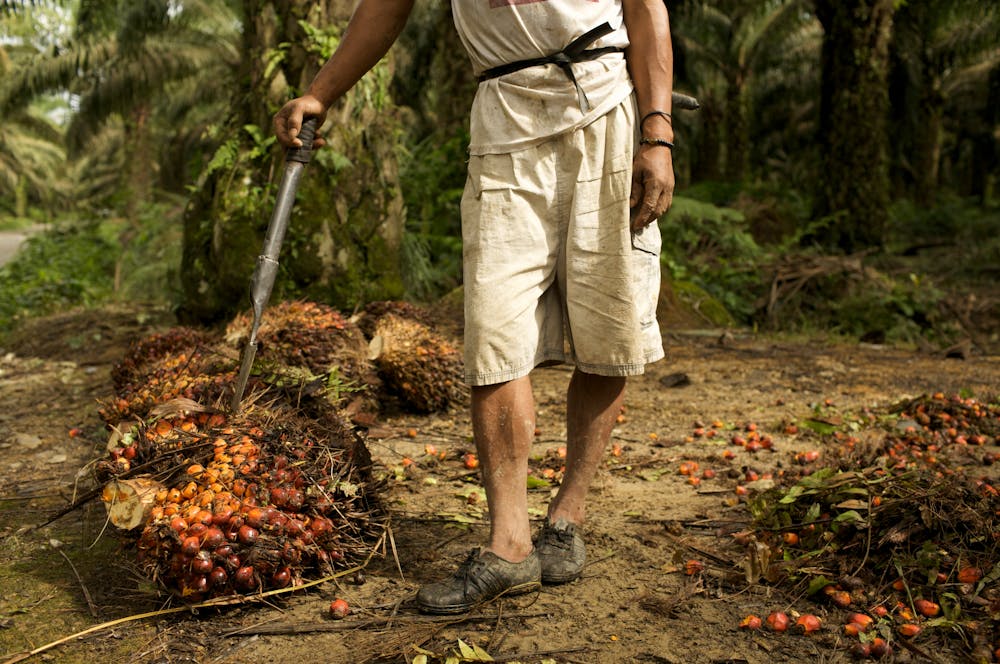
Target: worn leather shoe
[481,578]
[561,551]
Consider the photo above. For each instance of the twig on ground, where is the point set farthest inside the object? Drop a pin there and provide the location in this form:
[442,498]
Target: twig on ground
[86,593]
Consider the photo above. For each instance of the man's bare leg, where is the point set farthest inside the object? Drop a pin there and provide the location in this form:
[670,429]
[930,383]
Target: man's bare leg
[592,405]
[503,423]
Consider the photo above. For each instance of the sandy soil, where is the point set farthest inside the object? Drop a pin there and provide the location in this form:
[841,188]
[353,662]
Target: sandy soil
[634,603]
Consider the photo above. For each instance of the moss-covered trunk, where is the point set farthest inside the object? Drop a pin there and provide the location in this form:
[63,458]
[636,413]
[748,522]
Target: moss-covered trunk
[706,156]
[852,128]
[344,237]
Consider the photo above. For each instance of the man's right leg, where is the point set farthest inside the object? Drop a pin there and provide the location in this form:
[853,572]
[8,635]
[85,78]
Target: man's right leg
[503,423]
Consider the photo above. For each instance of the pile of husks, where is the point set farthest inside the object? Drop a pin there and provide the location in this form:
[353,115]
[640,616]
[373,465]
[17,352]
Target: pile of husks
[903,536]
[218,502]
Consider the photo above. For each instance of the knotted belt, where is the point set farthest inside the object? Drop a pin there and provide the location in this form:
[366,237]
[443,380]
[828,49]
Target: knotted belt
[577,51]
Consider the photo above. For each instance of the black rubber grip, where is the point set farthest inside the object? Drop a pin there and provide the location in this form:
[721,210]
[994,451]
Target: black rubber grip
[306,135]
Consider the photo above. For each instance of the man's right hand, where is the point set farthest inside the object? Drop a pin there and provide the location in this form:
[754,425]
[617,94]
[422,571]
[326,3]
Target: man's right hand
[288,120]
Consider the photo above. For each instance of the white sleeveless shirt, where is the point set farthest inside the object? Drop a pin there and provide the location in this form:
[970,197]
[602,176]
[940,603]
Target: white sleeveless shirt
[526,107]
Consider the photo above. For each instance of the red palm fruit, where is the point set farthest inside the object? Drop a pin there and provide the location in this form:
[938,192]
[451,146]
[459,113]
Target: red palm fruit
[202,563]
[212,538]
[908,630]
[880,648]
[281,577]
[841,598]
[247,535]
[191,546]
[808,623]
[777,621]
[751,622]
[969,574]
[862,620]
[218,577]
[861,650]
[927,608]
[339,609]
[244,577]
[693,567]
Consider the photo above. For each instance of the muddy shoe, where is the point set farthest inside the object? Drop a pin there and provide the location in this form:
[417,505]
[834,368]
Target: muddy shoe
[481,578]
[561,551]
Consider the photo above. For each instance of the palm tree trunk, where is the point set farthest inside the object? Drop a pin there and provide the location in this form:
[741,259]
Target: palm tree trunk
[706,156]
[852,127]
[139,158]
[736,134]
[927,146]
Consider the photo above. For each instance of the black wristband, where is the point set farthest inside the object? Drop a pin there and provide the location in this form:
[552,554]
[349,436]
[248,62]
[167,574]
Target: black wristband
[669,118]
[656,141]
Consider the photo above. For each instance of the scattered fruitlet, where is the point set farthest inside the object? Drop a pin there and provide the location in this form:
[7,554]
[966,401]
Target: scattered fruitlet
[970,574]
[880,648]
[860,619]
[927,608]
[339,609]
[808,623]
[777,621]
[751,622]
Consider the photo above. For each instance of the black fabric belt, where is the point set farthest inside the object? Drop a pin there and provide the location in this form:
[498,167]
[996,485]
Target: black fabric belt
[577,51]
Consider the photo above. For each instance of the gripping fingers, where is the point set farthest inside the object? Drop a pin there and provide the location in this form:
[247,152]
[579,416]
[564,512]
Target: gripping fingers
[649,195]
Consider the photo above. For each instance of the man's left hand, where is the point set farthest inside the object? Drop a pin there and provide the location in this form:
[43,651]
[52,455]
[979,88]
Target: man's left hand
[652,185]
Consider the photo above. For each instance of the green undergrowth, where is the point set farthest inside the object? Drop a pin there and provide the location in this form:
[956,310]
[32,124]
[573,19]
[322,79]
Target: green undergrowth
[90,263]
[68,265]
[744,249]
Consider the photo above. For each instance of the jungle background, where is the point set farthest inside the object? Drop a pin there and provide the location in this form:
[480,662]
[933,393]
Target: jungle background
[840,175]
[834,243]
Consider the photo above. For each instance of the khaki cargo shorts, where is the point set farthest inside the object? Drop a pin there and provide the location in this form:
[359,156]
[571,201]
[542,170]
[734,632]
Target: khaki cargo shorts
[552,272]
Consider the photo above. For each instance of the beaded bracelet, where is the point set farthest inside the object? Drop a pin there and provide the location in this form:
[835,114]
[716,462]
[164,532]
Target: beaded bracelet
[656,141]
[666,116]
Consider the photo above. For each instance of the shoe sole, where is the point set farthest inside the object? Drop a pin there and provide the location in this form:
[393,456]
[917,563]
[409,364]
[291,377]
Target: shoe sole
[555,579]
[462,608]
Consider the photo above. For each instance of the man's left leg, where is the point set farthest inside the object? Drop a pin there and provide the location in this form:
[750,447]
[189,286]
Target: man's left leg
[592,405]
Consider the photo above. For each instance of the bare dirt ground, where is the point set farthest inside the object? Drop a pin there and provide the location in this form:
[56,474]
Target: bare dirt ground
[634,604]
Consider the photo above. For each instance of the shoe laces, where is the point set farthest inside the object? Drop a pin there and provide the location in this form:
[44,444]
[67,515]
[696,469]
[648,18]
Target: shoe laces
[559,536]
[469,570]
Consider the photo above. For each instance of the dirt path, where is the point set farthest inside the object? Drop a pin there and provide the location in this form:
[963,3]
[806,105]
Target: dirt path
[11,241]
[634,604]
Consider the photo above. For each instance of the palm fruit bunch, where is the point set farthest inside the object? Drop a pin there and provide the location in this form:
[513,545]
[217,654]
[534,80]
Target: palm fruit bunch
[247,508]
[247,503]
[178,363]
[369,316]
[217,503]
[422,368]
[309,337]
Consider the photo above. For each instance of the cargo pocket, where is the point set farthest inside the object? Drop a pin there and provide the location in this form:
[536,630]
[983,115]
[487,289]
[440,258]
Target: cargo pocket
[648,240]
[487,201]
[646,245]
